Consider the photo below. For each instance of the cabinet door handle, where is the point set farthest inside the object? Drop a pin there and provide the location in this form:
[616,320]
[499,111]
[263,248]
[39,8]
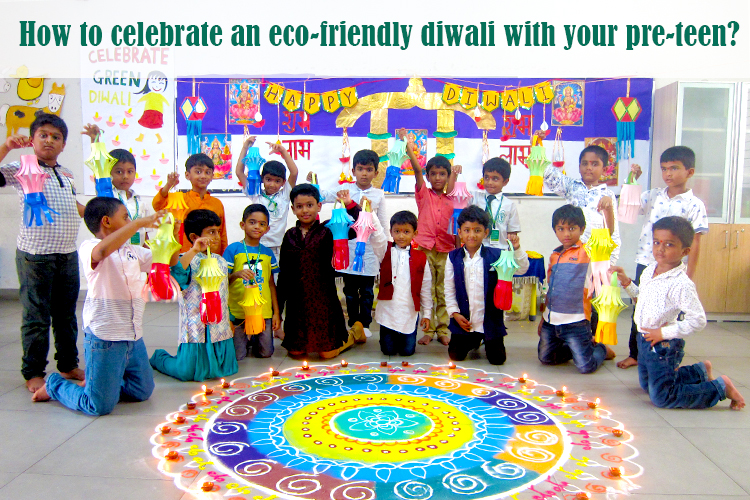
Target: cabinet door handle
[737,242]
[726,239]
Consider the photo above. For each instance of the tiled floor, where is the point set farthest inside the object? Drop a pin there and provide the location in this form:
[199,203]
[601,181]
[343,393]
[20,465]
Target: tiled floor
[51,452]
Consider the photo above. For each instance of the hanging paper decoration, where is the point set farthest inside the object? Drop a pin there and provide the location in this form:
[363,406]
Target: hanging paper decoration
[505,132]
[451,93]
[608,304]
[193,109]
[469,98]
[509,100]
[253,161]
[32,177]
[312,103]
[176,205]
[630,200]
[209,277]
[558,151]
[348,97]
[315,183]
[396,157]
[331,101]
[599,247]
[339,226]
[485,148]
[505,266]
[101,163]
[536,162]
[273,94]
[363,227]
[526,97]
[490,100]
[292,99]
[626,111]
[544,93]
[163,246]
[252,304]
[460,197]
[345,159]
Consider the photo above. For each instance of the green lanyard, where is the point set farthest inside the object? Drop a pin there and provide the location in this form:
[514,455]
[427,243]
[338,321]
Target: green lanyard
[494,220]
[271,202]
[137,208]
[255,263]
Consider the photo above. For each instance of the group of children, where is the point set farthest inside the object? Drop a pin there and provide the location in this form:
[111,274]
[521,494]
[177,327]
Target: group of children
[424,279]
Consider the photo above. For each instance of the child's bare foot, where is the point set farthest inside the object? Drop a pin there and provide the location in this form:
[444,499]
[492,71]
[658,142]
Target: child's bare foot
[610,353]
[444,339]
[34,384]
[738,402]
[709,372]
[426,339]
[279,334]
[74,374]
[627,363]
[41,394]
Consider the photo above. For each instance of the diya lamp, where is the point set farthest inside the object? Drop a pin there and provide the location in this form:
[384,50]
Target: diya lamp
[451,365]
[582,495]
[615,471]
[617,432]
[305,366]
[166,429]
[272,372]
[523,378]
[207,390]
[225,384]
[179,419]
[191,405]
[404,363]
[384,363]
[344,363]
[207,486]
[594,404]
[561,392]
[172,455]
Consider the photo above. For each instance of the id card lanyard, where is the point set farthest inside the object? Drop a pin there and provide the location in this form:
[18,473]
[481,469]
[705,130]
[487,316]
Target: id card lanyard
[258,276]
[136,238]
[494,232]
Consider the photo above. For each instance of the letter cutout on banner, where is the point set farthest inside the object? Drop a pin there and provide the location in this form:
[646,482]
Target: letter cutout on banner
[509,100]
[274,92]
[544,92]
[348,97]
[490,100]
[526,97]
[451,93]
[312,103]
[331,101]
[292,99]
[469,97]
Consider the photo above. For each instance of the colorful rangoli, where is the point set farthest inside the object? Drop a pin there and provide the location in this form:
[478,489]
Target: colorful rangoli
[414,432]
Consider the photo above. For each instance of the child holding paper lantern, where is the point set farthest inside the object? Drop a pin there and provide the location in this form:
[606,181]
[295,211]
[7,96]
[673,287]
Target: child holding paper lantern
[667,311]
[206,345]
[314,319]
[46,256]
[473,298]
[252,290]
[565,329]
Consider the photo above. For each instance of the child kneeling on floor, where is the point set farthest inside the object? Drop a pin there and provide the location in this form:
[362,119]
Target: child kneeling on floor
[117,367]
[668,310]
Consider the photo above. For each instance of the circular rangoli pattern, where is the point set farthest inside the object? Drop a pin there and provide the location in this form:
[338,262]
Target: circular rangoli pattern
[412,433]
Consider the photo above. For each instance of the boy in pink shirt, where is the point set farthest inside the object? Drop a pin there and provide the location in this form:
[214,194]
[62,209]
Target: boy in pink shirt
[433,236]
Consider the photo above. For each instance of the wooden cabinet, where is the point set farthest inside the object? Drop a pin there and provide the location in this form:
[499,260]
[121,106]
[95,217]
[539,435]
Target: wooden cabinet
[723,274]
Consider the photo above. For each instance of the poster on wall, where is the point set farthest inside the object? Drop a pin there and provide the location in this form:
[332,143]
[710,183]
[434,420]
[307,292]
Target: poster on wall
[129,93]
[567,105]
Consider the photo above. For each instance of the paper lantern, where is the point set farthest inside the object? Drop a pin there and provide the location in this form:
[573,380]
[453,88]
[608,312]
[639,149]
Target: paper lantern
[608,303]
[253,161]
[31,178]
[536,162]
[252,305]
[193,109]
[626,111]
[396,156]
[630,201]
[364,227]
[460,197]
[176,205]
[163,246]
[101,163]
[209,277]
[505,267]
[599,247]
[339,226]
[558,150]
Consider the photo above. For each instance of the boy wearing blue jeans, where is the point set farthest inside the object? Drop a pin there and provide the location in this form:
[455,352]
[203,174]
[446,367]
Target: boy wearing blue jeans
[667,311]
[565,330]
[117,367]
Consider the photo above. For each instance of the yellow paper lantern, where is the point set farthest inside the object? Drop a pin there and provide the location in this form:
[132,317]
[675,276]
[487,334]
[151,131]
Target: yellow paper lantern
[608,303]
[252,304]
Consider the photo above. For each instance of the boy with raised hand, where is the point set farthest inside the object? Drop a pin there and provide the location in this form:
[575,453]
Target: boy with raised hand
[565,329]
[677,166]
[46,256]
[274,195]
[199,171]
[469,289]
[667,311]
[434,238]
[117,367]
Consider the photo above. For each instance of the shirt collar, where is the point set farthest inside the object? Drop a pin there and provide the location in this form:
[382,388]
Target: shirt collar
[687,194]
[196,195]
[599,187]
[477,254]
[671,273]
[123,193]
[560,250]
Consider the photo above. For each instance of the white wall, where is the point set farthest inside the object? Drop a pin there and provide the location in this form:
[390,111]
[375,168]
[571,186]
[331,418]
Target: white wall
[535,213]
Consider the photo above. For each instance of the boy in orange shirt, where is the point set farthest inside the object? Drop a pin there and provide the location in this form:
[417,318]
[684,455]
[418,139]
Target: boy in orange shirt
[199,170]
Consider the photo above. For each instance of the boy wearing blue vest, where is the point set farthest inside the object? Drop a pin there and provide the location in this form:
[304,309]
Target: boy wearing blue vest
[469,289]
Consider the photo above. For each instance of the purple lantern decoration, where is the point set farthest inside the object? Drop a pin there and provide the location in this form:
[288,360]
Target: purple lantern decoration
[364,227]
[253,161]
[460,197]
[32,178]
